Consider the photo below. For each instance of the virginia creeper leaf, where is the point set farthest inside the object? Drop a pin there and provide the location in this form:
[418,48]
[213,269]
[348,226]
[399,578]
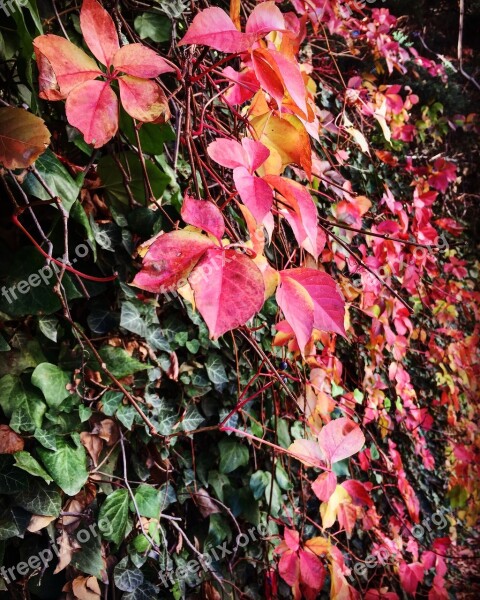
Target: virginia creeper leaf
[92,107]
[62,66]
[213,27]
[169,258]
[139,61]
[234,293]
[204,215]
[340,439]
[142,99]
[99,31]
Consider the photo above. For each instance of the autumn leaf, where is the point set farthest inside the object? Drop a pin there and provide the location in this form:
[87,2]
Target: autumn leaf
[67,72]
[10,442]
[234,292]
[171,258]
[340,439]
[309,299]
[23,138]
[204,215]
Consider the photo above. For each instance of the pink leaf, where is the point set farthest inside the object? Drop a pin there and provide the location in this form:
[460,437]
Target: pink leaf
[324,486]
[231,154]
[329,305]
[233,291]
[143,99]
[312,571]
[99,31]
[213,27]
[140,61]
[92,107]
[245,85]
[257,153]
[298,308]
[292,79]
[264,18]
[62,66]
[254,192]
[300,211]
[292,539]
[308,299]
[228,153]
[204,215]
[170,258]
[289,567]
[340,439]
[307,452]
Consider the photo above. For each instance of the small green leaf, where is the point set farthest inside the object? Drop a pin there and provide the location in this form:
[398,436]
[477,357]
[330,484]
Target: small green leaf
[115,511]
[156,27]
[232,455]
[24,460]
[127,579]
[215,369]
[52,381]
[56,177]
[259,482]
[119,362]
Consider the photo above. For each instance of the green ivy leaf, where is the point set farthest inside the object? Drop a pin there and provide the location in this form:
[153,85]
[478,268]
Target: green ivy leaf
[67,465]
[23,406]
[39,499]
[24,460]
[52,381]
[126,578]
[115,511]
[232,455]
[215,369]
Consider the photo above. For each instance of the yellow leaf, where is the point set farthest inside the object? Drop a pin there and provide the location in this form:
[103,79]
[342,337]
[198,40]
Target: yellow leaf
[329,510]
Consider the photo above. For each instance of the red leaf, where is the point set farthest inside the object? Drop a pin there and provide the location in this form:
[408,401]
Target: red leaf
[254,192]
[256,152]
[340,439]
[99,31]
[231,154]
[139,61]
[324,486]
[234,293]
[143,99]
[292,539]
[92,107]
[268,74]
[170,258]
[213,27]
[204,215]
[289,567]
[312,571]
[62,66]
[298,308]
[244,87]
[228,153]
[410,576]
[264,18]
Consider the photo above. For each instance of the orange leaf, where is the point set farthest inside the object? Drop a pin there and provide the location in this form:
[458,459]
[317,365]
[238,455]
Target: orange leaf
[23,138]
[143,99]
